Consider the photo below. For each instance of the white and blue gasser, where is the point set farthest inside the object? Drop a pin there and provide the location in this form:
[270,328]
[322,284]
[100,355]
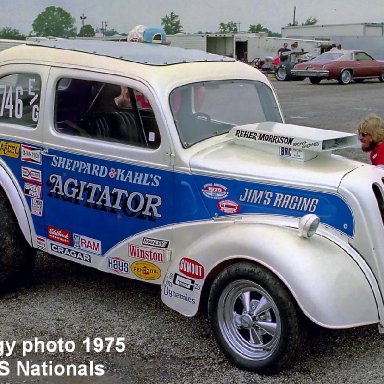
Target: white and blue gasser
[194,183]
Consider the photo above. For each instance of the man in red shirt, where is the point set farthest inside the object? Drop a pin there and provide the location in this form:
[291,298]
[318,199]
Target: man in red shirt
[371,136]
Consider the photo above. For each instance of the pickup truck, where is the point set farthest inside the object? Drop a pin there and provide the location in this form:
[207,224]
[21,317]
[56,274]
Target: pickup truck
[175,167]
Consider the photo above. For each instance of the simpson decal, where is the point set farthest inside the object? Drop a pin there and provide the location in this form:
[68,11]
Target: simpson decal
[30,154]
[215,191]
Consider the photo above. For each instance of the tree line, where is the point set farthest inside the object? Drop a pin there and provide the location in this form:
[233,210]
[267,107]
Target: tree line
[55,21]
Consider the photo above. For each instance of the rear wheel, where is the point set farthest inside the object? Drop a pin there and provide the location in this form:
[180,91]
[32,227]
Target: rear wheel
[345,77]
[254,319]
[381,78]
[314,80]
[17,258]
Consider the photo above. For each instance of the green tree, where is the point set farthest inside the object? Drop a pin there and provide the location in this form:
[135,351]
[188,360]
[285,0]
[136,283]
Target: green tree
[256,28]
[310,21]
[171,24]
[229,27]
[54,21]
[86,31]
[11,33]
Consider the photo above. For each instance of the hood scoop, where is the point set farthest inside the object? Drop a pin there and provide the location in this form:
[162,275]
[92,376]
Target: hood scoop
[291,141]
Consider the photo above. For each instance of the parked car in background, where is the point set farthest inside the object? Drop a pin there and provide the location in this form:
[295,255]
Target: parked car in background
[341,65]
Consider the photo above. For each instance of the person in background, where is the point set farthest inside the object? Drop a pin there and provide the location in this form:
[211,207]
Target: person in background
[283,53]
[371,136]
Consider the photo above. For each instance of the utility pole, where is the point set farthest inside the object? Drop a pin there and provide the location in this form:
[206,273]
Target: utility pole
[294,16]
[82,18]
[104,26]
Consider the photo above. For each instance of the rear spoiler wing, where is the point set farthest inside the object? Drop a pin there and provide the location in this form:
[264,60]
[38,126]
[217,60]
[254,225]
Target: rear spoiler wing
[293,141]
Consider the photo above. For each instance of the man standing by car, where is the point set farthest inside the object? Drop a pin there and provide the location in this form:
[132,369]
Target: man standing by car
[283,53]
[371,136]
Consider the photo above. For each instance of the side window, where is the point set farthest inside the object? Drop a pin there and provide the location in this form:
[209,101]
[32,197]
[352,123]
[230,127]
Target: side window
[20,99]
[105,111]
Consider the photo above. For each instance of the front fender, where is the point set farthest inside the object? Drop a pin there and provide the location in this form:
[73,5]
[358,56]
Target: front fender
[16,197]
[332,285]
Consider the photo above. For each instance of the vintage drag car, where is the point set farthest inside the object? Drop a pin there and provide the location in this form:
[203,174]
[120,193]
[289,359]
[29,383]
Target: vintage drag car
[175,167]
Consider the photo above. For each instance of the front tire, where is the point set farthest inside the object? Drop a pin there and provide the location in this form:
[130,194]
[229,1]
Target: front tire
[381,78]
[281,74]
[17,258]
[255,321]
[345,77]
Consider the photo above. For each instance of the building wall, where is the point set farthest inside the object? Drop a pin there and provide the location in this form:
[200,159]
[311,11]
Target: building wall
[323,31]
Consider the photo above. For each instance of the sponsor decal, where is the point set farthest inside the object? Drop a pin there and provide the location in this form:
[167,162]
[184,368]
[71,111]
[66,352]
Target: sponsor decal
[146,270]
[41,242]
[36,207]
[155,242]
[9,149]
[30,174]
[170,290]
[228,206]
[191,268]
[93,169]
[30,154]
[118,265]
[32,190]
[279,200]
[105,198]
[87,244]
[185,282]
[59,235]
[215,191]
[266,137]
[146,253]
[73,253]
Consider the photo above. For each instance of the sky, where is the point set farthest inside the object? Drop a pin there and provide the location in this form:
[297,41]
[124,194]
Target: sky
[194,15]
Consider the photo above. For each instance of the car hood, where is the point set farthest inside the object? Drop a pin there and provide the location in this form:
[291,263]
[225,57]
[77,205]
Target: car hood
[244,175]
[278,153]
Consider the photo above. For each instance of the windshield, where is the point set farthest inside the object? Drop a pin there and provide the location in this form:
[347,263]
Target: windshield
[206,109]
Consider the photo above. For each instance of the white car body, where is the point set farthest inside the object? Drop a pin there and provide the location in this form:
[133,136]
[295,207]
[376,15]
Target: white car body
[178,211]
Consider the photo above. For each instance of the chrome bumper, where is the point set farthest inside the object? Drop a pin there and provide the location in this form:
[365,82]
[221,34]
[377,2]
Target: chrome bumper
[310,73]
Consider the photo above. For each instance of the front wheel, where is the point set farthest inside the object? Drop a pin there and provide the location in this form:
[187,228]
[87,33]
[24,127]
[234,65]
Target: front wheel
[381,78]
[254,319]
[281,74]
[345,77]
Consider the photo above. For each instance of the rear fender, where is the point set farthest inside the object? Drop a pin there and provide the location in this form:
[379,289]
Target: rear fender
[333,288]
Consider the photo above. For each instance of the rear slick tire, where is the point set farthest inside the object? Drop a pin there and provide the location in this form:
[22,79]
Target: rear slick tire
[17,257]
